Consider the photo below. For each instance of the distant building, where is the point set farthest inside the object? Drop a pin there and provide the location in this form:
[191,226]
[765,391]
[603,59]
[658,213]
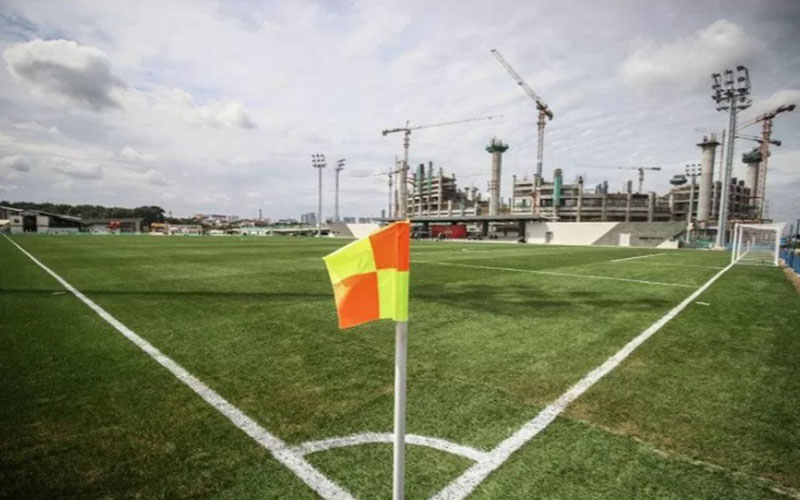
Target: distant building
[112,226]
[309,218]
[37,221]
[349,220]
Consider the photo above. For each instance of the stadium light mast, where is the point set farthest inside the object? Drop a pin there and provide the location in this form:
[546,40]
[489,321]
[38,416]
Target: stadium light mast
[318,162]
[731,93]
[339,168]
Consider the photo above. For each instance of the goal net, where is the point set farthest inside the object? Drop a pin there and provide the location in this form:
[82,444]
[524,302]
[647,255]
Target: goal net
[757,244]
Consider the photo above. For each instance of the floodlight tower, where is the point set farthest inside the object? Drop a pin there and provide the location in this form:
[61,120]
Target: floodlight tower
[318,162]
[731,94]
[339,168]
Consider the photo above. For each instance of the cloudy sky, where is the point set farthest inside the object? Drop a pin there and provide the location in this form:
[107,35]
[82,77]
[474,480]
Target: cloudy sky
[216,106]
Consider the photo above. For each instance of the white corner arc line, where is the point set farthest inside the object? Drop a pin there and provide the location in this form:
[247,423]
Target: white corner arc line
[386,437]
[553,273]
[472,477]
[637,257]
[296,463]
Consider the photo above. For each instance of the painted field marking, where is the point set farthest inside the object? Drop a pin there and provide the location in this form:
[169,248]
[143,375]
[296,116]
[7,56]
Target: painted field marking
[387,437]
[472,477]
[638,257]
[552,273]
[295,462]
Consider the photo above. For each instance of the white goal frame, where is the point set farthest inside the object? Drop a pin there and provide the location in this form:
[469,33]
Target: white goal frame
[755,241]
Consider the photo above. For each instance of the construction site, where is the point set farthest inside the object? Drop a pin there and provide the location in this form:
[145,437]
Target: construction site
[543,208]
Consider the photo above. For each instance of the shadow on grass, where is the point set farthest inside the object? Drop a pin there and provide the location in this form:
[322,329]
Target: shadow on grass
[509,300]
[174,294]
[516,300]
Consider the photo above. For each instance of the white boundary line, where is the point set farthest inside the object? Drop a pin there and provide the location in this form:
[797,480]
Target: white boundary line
[472,477]
[281,451]
[553,273]
[387,437]
[638,257]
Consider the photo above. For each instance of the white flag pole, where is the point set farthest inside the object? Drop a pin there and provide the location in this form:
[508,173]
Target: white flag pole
[400,354]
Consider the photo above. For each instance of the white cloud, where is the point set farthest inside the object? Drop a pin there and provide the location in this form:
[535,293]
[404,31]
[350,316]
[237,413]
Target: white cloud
[778,98]
[687,63]
[32,126]
[223,113]
[76,170]
[156,178]
[17,162]
[63,68]
[7,188]
[131,154]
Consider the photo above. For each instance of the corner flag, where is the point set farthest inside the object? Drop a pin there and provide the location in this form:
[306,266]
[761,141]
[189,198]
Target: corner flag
[370,276]
[370,281]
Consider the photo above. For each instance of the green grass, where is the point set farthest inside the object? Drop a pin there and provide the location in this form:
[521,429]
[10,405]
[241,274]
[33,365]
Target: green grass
[707,408]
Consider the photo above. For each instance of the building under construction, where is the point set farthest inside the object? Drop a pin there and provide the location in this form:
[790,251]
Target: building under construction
[434,194]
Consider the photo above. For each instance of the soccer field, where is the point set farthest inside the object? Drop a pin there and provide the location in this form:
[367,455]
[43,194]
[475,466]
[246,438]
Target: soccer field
[706,407]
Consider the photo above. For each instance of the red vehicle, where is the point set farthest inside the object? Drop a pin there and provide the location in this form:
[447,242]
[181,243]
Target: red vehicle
[448,231]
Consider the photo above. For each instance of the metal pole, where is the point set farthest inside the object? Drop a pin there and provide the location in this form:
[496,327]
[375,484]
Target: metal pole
[722,221]
[690,172]
[319,204]
[400,353]
[339,168]
[402,182]
[336,201]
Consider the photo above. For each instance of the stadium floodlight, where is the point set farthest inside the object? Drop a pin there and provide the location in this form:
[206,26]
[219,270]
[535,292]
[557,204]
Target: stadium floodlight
[318,162]
[757,244]
[731,93]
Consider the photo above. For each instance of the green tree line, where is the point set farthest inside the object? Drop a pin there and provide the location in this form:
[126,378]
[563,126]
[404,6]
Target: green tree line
[149,214]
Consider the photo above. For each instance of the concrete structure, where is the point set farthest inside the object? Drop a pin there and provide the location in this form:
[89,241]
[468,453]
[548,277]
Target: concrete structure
[309,218]
[641,234]
[708,148]
[753,160]
[37,221]
[112,226]
[438,194]
[496,148]
[578,203]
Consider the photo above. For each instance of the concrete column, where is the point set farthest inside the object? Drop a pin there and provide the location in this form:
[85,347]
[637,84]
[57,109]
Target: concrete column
[429,188]
[449,208]
[496,148]
[629,189]
[651,205]
[604,207]
[671,206]
[440,193]
[753,160]
[708,148]
[580,200]
[513,193]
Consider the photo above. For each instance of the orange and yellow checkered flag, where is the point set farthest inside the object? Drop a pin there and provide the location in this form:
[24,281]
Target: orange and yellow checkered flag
[370,276]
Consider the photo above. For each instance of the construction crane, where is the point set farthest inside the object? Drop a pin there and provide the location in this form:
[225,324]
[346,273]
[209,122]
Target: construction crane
[544,112]
[774,142]
[403,186]
[640,169]
[766,140]
[390,175]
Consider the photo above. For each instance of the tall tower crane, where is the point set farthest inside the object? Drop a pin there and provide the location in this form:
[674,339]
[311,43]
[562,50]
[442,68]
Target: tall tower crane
[544,112]
[402,183]
[639,169]
[766,140]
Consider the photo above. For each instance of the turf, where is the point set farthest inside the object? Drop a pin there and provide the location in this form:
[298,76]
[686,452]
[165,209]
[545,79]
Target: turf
[707,408]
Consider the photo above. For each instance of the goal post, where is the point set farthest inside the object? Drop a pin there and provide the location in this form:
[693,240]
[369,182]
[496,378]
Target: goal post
[757,244]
